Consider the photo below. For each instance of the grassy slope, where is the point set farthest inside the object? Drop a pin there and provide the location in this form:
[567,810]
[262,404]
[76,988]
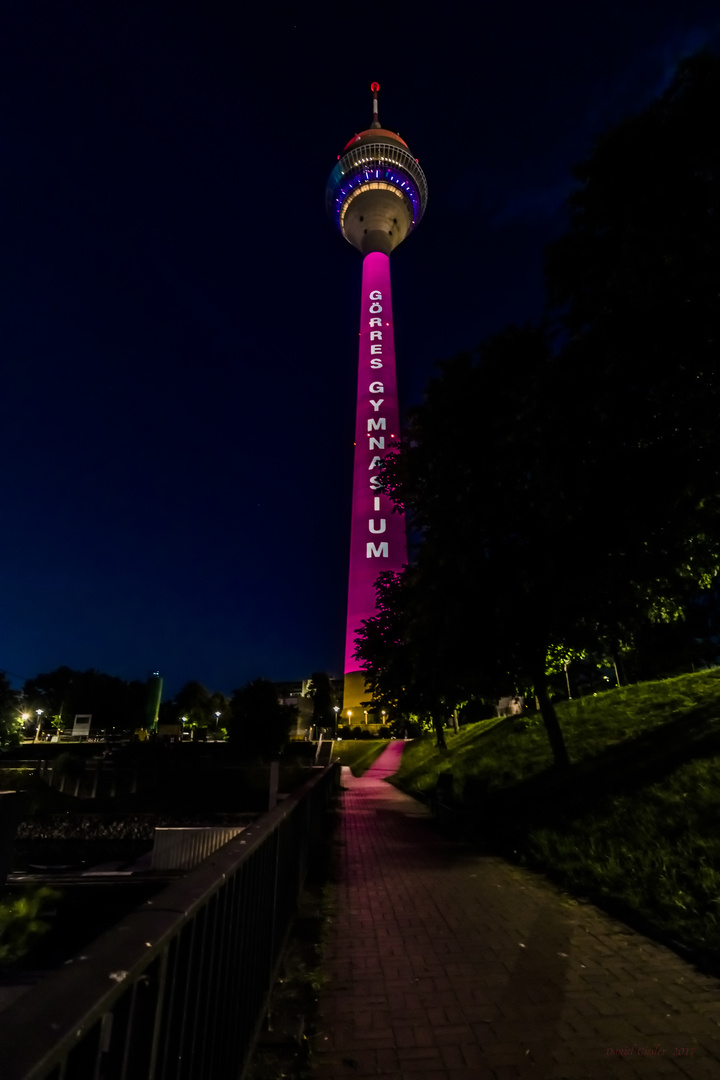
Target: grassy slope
[637,818]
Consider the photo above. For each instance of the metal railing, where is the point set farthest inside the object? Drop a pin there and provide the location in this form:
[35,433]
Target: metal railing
[178,989]
[396,164]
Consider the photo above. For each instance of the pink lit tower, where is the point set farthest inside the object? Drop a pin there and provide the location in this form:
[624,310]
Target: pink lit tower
[377,194]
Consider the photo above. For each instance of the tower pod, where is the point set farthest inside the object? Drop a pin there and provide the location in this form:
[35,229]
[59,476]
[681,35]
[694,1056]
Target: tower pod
[377,192]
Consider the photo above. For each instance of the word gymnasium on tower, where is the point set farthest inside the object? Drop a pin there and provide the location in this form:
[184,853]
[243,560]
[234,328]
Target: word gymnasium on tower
[376,194]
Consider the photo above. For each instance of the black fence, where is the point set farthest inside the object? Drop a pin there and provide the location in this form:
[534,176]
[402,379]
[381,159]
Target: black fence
[179,988]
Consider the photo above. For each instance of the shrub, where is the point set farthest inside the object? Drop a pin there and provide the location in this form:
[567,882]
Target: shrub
[20,922]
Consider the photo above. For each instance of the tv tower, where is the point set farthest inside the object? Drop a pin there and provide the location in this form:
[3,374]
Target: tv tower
[377,194]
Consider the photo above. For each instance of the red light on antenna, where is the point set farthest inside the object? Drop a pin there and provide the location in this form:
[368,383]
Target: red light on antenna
[375,87]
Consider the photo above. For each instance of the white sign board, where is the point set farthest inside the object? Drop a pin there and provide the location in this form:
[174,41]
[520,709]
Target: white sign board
[82,725]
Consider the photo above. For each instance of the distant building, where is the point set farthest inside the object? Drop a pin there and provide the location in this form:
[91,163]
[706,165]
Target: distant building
[510,706]
[296,693]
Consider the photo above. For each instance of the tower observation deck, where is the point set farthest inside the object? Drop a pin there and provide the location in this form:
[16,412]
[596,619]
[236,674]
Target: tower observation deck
[377,192]
[376,195]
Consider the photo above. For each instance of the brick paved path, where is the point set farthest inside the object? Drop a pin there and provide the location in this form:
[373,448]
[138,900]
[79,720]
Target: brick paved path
[443,964]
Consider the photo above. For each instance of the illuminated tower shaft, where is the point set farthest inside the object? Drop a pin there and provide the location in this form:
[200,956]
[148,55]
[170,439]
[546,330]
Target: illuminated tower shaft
[377,194]
[377,540]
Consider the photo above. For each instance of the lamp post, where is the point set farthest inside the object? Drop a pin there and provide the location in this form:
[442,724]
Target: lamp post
[336,710]
[39,713]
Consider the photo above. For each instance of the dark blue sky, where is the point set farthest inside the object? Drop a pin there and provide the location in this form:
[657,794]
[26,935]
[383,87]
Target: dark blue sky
[178,319]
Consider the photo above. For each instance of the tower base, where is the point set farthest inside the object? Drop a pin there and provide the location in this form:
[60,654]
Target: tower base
[354,693]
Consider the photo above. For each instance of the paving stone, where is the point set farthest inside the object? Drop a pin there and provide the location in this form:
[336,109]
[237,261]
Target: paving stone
[446,964]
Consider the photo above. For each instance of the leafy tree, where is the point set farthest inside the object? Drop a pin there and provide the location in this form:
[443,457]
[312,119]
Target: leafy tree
[63,694]
[482,478]
[400,652]
[197,704]
[10,722]
[48,691]
[258,724]
[640,252]
[320,689]
[634,283]
[194,702]
[573,495]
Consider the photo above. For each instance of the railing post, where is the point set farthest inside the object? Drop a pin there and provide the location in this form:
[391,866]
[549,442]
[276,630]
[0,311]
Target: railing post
[274,782]
[10,807]
[96,777]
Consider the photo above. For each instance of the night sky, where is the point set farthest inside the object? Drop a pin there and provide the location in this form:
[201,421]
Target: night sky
[178,317]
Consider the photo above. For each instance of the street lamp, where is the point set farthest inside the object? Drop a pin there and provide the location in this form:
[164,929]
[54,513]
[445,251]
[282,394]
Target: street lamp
[39,722]
[365,711]
[336,710]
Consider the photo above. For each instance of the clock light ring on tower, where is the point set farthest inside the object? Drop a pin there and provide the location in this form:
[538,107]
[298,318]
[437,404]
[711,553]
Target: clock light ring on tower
[376,194]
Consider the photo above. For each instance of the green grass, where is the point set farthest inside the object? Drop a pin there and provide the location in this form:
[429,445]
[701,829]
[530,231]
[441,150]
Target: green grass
[359,754]
[634,821]
[655,851]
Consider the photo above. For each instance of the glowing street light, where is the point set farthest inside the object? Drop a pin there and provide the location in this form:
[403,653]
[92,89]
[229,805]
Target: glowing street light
[336,710]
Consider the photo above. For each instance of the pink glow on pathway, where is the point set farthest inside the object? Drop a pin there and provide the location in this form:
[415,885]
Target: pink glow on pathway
[388,763]
[444,963]
[378,540]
